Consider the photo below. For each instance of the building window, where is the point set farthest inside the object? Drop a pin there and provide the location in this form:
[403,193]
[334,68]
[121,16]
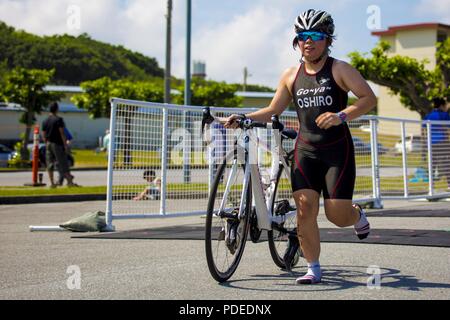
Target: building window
[442,36]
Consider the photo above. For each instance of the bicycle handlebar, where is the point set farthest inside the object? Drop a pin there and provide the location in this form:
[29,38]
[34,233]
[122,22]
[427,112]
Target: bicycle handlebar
[244,123]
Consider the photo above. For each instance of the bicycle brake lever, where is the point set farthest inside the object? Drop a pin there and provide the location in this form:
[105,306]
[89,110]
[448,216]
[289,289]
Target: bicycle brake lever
[276,124]
[207,118]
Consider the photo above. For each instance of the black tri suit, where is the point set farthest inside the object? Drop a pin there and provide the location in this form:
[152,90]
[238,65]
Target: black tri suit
[324,159]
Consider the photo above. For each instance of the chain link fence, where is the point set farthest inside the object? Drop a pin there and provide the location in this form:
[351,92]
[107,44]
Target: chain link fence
[160,162]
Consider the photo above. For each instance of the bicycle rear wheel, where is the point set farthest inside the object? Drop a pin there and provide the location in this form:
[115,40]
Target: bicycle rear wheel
[225,233]
[278,239]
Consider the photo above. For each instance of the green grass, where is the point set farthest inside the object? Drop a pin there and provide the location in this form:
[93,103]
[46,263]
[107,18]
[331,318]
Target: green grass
[89,158]
[46,191]
[86,158]
[363,184]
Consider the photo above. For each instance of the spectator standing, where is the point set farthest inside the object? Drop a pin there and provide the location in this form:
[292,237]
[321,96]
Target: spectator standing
[56,146]
[106,139]
[440,144]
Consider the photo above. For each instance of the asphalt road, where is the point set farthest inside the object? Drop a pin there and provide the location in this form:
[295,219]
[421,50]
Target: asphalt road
[40,265]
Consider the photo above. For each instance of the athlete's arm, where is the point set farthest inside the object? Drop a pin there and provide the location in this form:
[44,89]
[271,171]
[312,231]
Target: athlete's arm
[349,79]
[278,104]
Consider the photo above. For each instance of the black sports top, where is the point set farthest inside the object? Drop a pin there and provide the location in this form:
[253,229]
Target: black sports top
[315,94]
[51,127]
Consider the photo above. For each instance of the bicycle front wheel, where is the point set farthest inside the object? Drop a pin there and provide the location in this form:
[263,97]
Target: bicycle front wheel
[226,233]
[278,238]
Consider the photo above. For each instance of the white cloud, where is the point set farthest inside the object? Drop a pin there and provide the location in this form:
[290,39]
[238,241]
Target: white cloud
[33,15]
[439,8]
[138,24]
[257,37]
[254,39]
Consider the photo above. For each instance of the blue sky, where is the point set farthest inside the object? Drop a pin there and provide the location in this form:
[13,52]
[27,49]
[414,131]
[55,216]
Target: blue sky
[227,35]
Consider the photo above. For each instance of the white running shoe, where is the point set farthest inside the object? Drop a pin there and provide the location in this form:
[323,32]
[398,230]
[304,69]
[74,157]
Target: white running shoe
[362,227]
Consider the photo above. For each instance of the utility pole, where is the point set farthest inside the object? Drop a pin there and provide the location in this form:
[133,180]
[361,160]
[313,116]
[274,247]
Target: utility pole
[187,99]
[246,75]
[187,84]
[168,52]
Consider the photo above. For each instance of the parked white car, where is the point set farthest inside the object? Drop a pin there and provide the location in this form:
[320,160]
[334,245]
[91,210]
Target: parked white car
[413,144]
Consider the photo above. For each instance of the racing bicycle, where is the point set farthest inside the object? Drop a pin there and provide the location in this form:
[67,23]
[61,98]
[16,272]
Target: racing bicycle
[241,203]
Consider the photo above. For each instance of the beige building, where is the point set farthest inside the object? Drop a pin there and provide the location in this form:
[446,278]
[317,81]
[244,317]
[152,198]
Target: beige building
[416,41]
[255,99]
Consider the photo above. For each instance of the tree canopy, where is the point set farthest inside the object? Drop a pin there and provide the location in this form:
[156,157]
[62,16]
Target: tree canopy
[26,87]
[96,96]
[210,93]
[75,59]
[407,77]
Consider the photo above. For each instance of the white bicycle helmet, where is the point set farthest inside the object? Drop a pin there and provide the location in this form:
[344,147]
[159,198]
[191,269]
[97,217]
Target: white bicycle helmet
[315,20]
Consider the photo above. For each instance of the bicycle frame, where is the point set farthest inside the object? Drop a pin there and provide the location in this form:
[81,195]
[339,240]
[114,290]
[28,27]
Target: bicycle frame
[262,199]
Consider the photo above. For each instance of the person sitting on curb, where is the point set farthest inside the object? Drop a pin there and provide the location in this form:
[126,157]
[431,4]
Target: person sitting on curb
[153,190]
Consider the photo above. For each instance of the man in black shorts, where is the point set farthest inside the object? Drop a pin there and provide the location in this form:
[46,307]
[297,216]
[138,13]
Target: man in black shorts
[324,153]
[56,146]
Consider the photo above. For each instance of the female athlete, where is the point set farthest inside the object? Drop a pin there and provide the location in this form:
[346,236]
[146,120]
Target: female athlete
[324,152]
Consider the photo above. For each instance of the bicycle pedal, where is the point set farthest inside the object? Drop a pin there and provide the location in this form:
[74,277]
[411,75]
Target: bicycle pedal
[221,236]
[230,234]
[290,254]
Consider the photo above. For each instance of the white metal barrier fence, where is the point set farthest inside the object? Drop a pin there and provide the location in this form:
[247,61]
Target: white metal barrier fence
[395,158]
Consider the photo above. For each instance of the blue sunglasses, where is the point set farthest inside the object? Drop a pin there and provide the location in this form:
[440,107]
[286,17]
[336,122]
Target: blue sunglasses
[314,35]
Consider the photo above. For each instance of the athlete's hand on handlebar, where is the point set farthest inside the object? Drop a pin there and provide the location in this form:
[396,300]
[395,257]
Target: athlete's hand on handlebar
[230,122]
[327,120]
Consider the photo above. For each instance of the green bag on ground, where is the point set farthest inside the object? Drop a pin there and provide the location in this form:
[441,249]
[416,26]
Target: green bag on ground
[89,222]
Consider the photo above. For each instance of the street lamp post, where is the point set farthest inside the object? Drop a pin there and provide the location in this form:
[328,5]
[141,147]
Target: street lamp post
[187,99]
[187,87]
[168,52]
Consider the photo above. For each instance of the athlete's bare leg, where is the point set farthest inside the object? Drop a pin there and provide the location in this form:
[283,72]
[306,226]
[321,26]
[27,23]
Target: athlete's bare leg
[341,212]
[307,202]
